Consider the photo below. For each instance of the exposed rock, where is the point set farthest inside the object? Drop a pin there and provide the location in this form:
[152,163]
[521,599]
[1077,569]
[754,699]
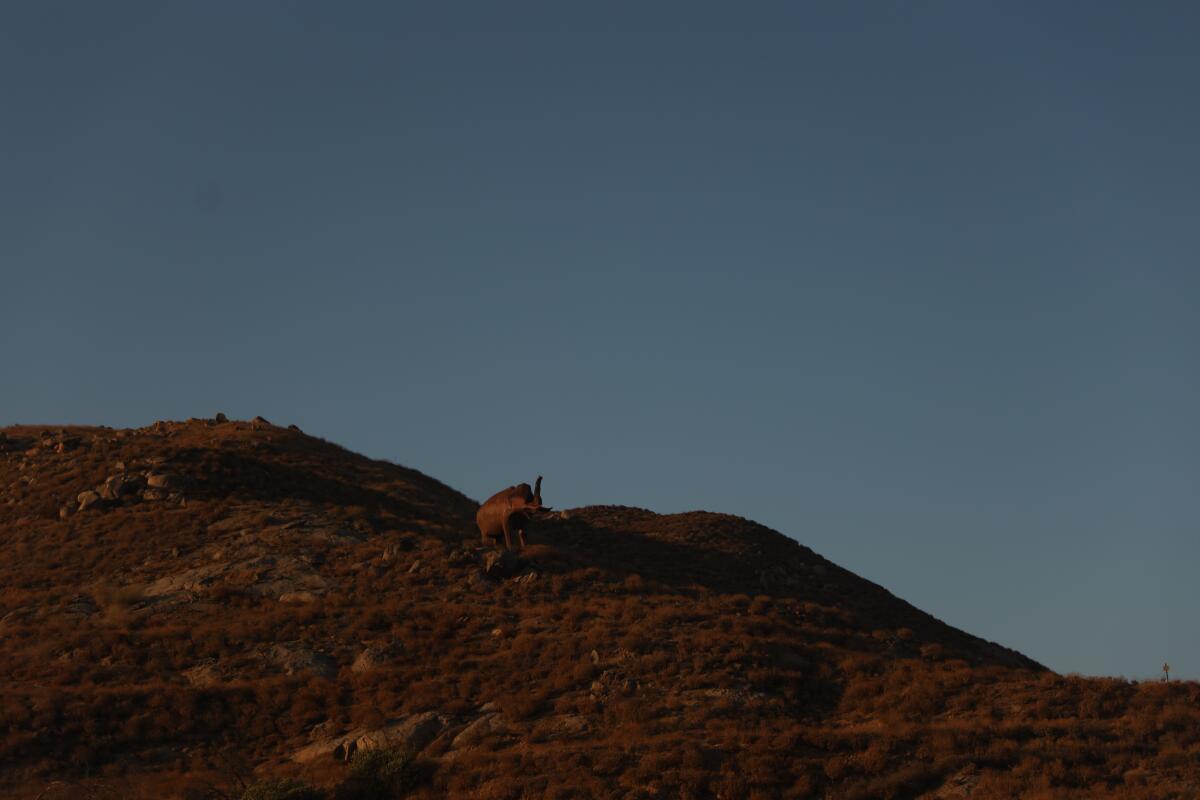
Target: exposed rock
[88,499]
[263,576]
[460,557]
[81,604]
[299,598]
[60,442]
[301,659]
[160,480]
[411,734]
[116,486]
[192,580]
[64,512]
[334,747]
[322,730]
[501,564]
[376,656]
[233,523]
[203,675]
[336,535]
[569,726]
[486,725]
[612,683]
[959,785]
[480,582]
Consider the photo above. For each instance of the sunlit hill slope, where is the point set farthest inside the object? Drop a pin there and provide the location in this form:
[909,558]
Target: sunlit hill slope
[192,608]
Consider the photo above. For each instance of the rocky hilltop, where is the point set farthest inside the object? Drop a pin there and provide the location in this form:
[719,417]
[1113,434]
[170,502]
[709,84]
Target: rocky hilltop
[193,608]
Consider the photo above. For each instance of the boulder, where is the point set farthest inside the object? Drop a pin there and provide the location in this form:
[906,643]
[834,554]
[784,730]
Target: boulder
[376,656]
[88,499]
[501,564]
[221,417]
[160,480]
[334,747]
[115,486]
[300,659]
[410,734]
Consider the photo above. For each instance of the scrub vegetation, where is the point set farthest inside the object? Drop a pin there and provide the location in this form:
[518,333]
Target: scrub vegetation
[245,610]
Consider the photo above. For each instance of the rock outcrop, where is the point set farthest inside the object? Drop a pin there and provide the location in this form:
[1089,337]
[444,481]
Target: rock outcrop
[409,734]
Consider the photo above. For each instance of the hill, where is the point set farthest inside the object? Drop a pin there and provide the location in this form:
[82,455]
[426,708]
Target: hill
[193,607]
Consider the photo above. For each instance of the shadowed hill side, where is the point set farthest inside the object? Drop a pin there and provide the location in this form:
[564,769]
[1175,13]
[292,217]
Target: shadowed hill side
[189,608]
[732,555]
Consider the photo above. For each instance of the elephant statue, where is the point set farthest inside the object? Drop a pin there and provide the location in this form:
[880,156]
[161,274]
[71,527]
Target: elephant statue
[507,511]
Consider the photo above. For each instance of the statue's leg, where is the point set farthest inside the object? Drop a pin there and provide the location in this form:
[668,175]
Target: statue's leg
[521,536]
[507,536]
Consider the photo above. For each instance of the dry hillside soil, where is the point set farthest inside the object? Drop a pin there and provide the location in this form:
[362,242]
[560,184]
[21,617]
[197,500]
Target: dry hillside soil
[191,608]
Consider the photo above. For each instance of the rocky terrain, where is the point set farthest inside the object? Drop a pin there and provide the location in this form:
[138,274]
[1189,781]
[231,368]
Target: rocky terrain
[193,608]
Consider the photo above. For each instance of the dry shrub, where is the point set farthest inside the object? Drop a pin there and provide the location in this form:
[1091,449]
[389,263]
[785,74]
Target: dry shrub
[116,602]
[733,688]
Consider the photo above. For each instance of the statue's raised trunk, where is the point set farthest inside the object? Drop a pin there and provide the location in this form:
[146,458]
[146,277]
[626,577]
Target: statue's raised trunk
[537,491]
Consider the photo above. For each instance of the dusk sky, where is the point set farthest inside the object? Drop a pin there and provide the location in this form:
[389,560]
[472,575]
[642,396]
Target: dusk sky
[913,283]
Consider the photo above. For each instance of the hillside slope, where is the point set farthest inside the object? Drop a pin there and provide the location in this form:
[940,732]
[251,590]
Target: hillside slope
[190,607]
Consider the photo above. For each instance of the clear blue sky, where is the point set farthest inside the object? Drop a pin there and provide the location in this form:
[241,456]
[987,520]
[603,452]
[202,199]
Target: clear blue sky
[915,283]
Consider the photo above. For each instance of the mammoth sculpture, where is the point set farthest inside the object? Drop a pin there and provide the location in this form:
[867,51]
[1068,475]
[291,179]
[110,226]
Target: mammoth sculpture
[508,511]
